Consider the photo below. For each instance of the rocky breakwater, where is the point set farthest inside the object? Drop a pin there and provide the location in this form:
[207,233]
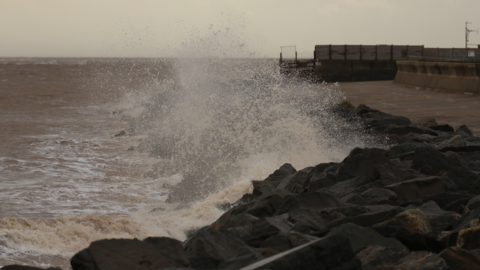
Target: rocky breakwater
[412,205]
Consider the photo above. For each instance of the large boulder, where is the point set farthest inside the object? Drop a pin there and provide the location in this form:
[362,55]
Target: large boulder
[361,163]
[331,252]
[151,253]
[460,259]
[416,189]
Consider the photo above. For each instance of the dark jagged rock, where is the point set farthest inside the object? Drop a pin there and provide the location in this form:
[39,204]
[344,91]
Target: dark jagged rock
[413,241]
[367,219]
[361,163]
[362,237]
[429,161]
[151,253]
[444,128]
[379,195]
[416,189]
[460,259]
[314,201]
[419,260]
[294,182]
[319,181]
[284,241]
[276,177]
[219,247]
[331,252]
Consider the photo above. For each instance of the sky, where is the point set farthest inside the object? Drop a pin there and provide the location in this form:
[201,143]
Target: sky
[246,28]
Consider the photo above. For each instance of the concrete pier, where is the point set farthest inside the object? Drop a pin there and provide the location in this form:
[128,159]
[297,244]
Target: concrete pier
[447,108]
[458,77]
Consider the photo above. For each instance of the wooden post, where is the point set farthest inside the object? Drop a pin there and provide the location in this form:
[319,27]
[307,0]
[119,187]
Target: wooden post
[360,52]
[376,51]
[330,52]
[345,51]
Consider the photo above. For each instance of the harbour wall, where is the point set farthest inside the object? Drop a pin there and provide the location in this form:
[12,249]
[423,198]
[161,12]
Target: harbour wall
[355,70]
[460,77]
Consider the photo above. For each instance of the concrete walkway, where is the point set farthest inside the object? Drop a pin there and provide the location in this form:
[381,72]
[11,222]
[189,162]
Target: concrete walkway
[447,108]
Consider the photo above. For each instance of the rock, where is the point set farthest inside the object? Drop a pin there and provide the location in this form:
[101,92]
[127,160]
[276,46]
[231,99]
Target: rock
[262,187]
[265,207]
[378,258]
[361,163]
[276,177]
[314,201]
[403,148]
[413,220]
[234,221]
[151,253]
[464,131]
[413,241]
[444,199]
[424,138]
[404,130]
[379,195]
[284,241]
[354,198]
[218,247]
[431,162]
[416,189]
[390,174]
[456,141]
[343,188]
[266,227]
[463,178]
[427,123]
[362,237]
[419,260]
[440,220]
[474,203]
[321,180]
[389,121]
[430,205]
[367,219]
[469,238]
[294,182]
[331,252]
[460,259]
[444,128]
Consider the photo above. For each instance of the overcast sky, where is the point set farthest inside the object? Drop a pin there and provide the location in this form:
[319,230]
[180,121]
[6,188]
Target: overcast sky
[257,28]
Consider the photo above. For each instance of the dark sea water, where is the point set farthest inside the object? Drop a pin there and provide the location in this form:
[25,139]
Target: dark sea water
[200,131]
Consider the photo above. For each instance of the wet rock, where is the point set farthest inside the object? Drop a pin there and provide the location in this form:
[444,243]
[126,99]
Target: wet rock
[456,141]
[361,163]
[379,257]
[463,178]
[262,187]
[419,260]
[413,241]
[151,253]
[440,220]
[368,219]
[389,121]
[343,188]
[469,238]
[314,201]
[320,180]
[404,130]
[331,252]
[424,138]
[402,149]
[432,162]
[276,177]
[294,182]
[354,198]
[284,241]
[411,219]
[444,128]
[474,203]
[416,189]
[266,207]
[362,237]
[379,195]
[464,131]
[218,247]
[444,199]
[460,259]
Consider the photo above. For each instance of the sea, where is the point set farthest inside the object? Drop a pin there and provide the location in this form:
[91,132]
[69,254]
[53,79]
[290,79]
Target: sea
[100,148]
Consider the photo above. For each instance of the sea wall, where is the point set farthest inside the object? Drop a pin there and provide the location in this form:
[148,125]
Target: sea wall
[444,76]
[355,70]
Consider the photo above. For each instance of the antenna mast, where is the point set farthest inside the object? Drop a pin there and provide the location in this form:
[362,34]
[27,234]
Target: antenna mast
[467,32]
